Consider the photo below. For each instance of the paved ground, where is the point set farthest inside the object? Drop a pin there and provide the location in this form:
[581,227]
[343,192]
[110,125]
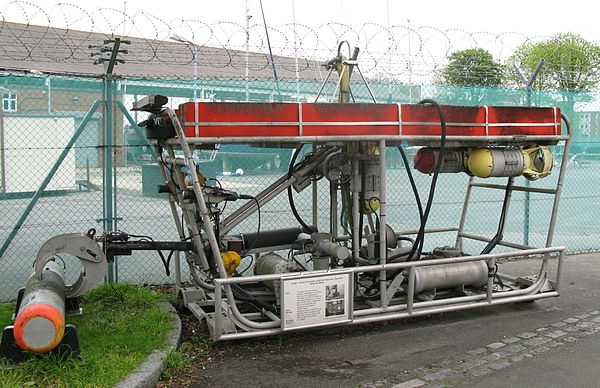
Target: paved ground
[549,343]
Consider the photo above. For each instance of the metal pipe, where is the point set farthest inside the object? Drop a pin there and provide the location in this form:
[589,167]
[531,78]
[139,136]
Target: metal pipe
[382,223]
[199,282]
[410,293]
[250,207]
[501,242]
[212,239]
[490,280]
[559,271]
[515,188]
[404,265]
[534,288]
[333,220]
[417,313]
[392,315]
[360,138]
[429,230]
[559,184]
[463,216]
[355,211]
[315,195]
[189,216]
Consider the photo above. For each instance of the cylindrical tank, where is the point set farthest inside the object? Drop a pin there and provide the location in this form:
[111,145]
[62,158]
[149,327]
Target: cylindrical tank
[271,263]
[426,159]
[450,276]
[495,162]
[40,323]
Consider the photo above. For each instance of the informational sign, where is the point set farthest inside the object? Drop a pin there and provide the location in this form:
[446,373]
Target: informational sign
[316,300]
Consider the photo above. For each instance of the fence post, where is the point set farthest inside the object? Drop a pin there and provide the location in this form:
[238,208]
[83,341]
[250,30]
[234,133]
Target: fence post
[107,165]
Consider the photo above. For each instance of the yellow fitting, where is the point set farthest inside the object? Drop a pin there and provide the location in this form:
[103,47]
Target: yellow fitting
[538,162]
[231,260]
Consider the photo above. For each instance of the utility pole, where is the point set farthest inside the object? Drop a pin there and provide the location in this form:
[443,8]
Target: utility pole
[108,57]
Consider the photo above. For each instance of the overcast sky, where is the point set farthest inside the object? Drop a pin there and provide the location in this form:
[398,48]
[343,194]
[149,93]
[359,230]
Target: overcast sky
[529,17]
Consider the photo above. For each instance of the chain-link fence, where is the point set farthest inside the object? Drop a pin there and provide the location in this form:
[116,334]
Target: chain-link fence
[70,163]
[73,158]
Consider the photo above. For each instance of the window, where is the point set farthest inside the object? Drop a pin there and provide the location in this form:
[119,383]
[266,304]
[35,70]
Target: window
[9,102]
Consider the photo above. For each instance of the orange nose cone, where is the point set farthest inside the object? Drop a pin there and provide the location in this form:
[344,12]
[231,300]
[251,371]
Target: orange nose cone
[39,328]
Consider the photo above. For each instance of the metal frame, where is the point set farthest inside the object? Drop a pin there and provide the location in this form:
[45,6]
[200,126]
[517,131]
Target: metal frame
[218,304]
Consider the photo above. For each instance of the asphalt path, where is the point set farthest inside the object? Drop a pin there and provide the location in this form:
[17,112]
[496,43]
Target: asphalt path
[548,343]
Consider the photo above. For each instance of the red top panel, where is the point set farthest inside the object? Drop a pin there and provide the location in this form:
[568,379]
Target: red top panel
[229,119]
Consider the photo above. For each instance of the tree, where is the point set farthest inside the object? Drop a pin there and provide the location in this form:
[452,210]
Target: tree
[472,67]
[571,62]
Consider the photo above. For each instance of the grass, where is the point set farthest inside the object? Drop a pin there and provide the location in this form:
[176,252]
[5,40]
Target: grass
[120,326]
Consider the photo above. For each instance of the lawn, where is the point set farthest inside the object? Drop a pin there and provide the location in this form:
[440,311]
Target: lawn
[120,326]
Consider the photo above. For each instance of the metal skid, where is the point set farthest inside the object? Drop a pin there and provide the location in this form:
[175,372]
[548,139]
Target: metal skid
[286,299]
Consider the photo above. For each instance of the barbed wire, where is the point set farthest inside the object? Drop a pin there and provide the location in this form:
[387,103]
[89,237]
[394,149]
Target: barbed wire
[62,33]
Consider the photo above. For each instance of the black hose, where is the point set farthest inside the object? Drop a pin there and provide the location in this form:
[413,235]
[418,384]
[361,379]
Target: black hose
[415,191]
[499,232]
[418,248]
[243,295]
[289,189]
[153,243]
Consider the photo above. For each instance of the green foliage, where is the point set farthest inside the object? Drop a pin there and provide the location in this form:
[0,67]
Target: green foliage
[120,326]
[571,62]
[472,67]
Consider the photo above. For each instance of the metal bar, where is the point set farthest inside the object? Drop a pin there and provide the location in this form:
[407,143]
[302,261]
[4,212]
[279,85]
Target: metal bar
[323,85]
[419,312]
[355,210]
[559,183]
[173,199]
[397,266]
[107,167]
[532,289]
[371,137]
[218,317]
[490,283]
[355,123]
[382,223]
[333,218]
[189,215]
[315,196]
[501,242]
[210,233]
[400,315]
[430,230]
[48,178]
[338,83]
[515,188]
[151,245]
[250,207]
[559,270]
[463,216]
[410,293]
[366,84]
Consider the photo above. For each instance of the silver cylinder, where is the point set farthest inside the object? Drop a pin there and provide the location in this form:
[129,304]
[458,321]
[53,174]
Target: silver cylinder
[450,276]
[334,250]
[271,263]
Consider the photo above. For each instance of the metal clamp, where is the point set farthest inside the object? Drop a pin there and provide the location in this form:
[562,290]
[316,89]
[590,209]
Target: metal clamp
[85,249]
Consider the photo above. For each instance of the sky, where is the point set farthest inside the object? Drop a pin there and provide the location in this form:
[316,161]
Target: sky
[437,28]
[528,17]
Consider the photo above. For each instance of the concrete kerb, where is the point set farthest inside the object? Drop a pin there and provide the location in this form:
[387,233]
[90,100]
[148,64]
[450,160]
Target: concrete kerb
[147,374]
